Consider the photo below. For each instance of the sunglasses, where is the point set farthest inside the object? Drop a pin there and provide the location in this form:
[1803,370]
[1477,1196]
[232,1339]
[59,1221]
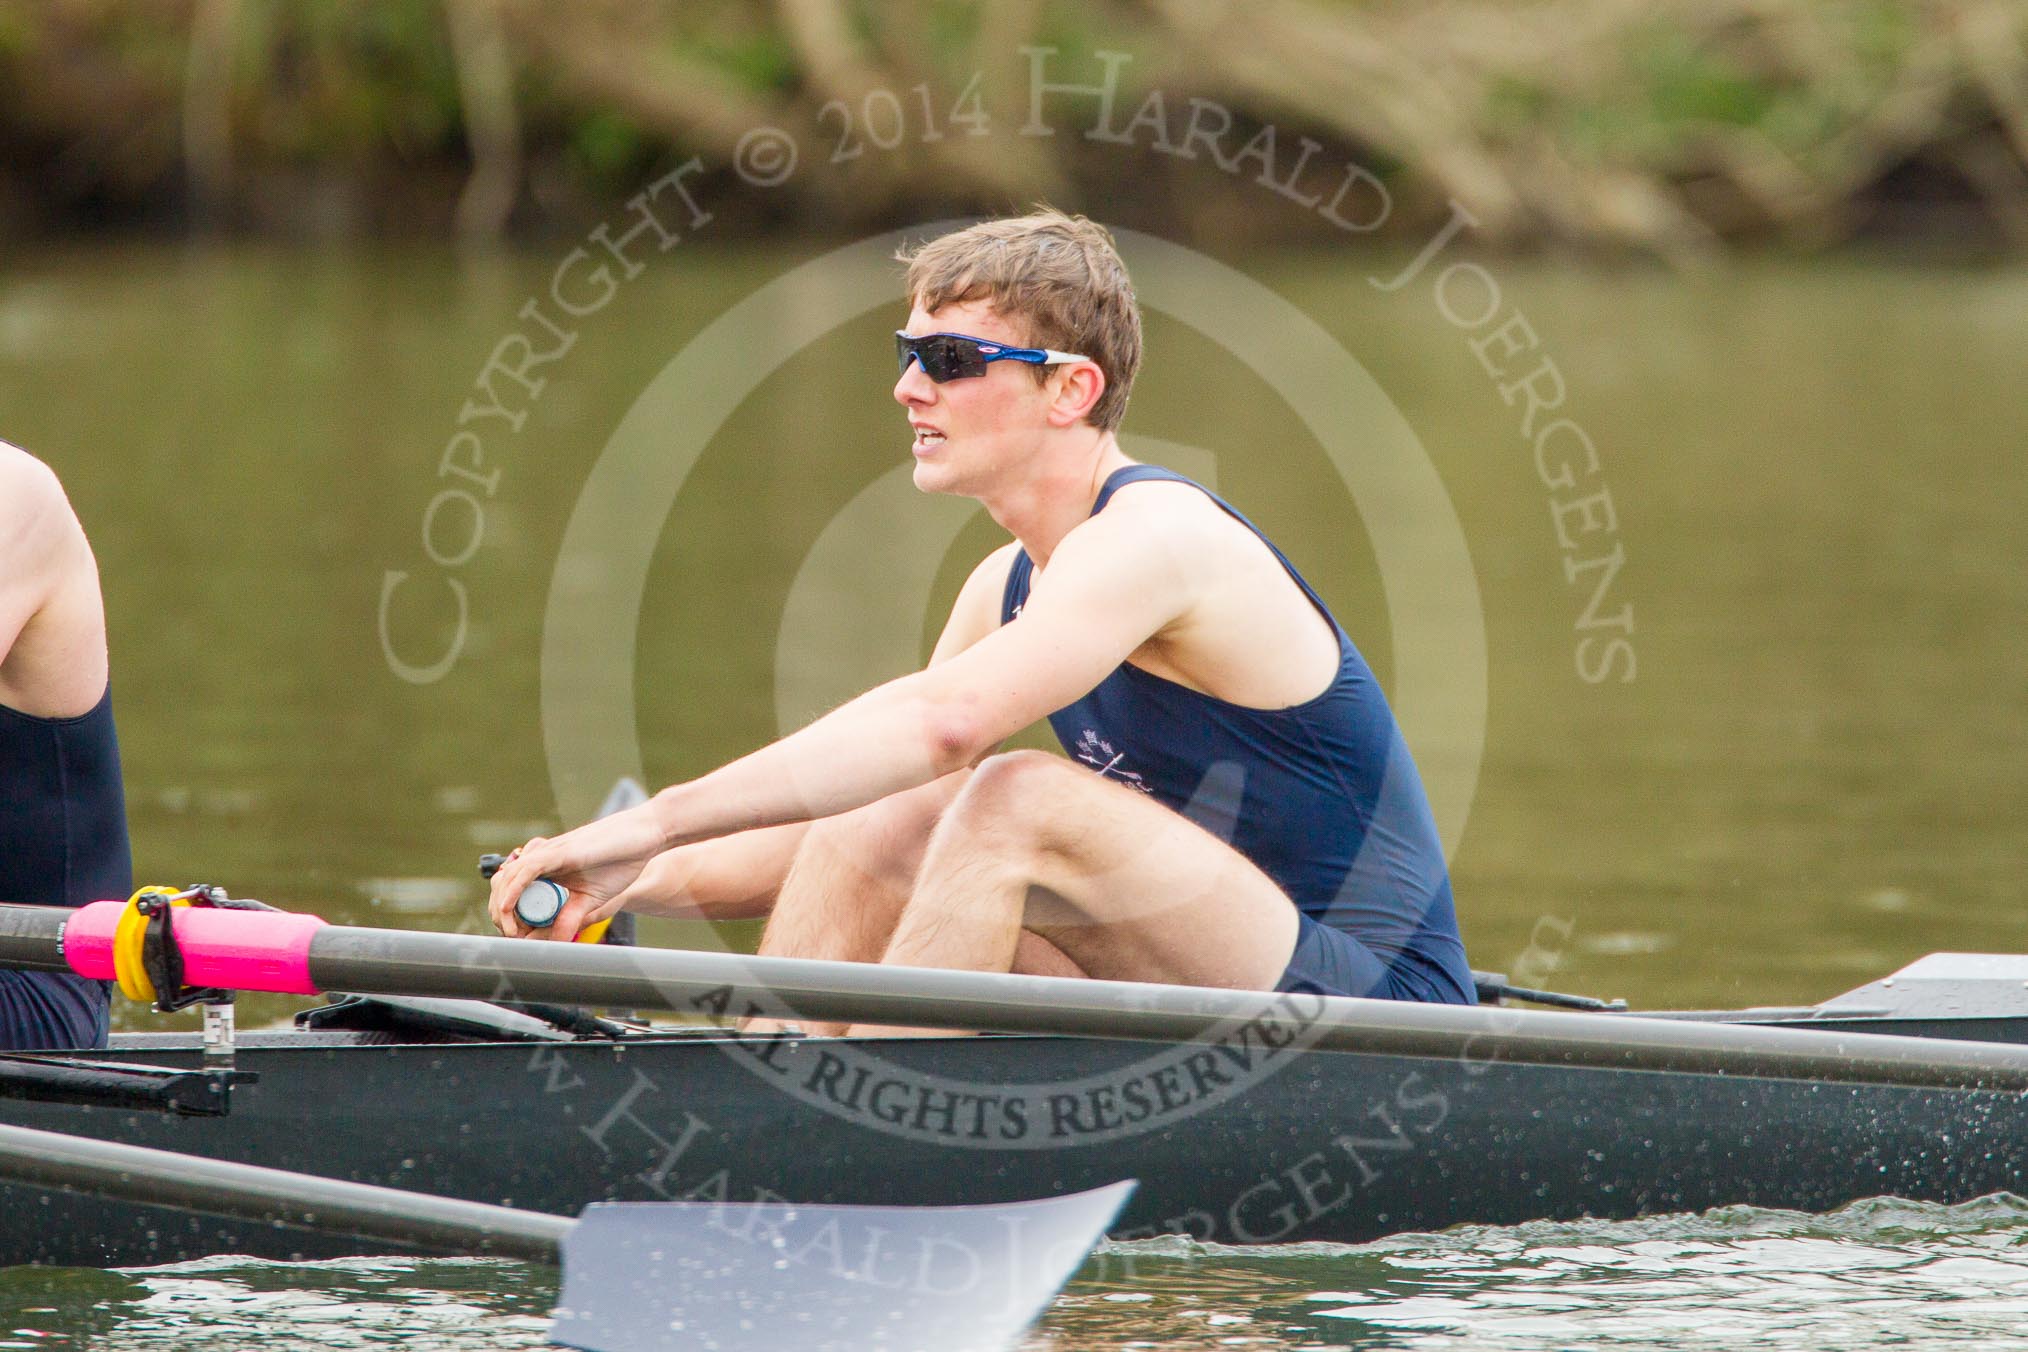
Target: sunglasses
[954,356]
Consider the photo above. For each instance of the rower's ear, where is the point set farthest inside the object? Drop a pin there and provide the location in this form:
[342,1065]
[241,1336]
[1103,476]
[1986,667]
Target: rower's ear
[1077,389]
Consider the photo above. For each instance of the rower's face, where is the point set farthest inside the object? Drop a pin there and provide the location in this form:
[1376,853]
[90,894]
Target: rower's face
[970,432]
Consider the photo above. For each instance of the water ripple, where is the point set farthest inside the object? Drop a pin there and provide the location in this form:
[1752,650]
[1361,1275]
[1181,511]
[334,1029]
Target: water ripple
[1875,1274]
[1880,1273]
[435,1305]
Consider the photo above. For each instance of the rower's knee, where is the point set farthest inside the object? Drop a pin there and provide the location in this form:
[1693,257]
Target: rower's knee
[1010,802]
[1008,782]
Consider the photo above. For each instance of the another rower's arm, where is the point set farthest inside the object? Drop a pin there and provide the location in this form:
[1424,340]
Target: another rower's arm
[737,877]
[35,533]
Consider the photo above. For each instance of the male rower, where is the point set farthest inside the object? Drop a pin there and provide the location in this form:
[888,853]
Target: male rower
[63,814]
[1239,808]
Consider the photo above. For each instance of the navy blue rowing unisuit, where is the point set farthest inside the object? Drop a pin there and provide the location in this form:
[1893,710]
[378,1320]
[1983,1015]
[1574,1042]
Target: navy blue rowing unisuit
[1322,797]
[63,842]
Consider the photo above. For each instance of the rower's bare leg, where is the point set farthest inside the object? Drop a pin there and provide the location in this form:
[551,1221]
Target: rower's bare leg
[1124,888]
[849,881]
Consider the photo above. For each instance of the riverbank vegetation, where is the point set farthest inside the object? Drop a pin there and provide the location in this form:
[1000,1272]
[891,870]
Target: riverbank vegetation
[1671,127]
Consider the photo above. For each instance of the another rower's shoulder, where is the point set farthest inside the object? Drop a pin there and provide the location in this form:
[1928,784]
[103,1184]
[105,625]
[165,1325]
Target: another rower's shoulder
[33,506]
[26,484]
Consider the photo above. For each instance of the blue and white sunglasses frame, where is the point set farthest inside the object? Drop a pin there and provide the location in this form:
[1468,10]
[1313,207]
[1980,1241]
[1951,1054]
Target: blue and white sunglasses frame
[958,363]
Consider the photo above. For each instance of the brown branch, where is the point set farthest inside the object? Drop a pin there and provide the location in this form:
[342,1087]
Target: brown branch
[1993,40]
[1990,166]
[686,101]
[842,67]
[207,106]
[1330,68]
[492,128]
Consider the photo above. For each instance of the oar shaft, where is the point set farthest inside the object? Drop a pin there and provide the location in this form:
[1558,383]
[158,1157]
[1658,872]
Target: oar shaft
[402,962]
[396,962]
[31,937]
[248,1192]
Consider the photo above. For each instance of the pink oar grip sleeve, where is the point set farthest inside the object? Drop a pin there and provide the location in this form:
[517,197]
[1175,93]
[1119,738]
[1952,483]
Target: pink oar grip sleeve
[236,950]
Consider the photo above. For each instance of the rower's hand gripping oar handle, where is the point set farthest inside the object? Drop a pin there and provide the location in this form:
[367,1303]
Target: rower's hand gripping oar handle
[541,902]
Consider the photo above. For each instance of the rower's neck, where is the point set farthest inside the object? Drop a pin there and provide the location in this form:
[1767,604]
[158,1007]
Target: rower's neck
[1042,509]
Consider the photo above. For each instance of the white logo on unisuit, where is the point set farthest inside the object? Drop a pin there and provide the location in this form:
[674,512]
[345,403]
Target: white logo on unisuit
[1098,753]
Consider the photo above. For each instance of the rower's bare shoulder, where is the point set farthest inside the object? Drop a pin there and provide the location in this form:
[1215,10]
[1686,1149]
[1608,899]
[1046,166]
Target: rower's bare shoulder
[992,570]
[49,602]
[988,582]
[977,610]
[1160,518]
[35,515]
[28,488]
[1164,503]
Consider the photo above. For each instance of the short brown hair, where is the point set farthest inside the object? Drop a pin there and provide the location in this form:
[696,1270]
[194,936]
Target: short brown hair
[1057,275]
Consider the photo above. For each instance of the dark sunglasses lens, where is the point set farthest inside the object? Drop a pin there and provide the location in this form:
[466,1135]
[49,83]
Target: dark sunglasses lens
[943,357]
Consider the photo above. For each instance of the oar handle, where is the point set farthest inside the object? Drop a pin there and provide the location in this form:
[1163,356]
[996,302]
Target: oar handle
[541,902]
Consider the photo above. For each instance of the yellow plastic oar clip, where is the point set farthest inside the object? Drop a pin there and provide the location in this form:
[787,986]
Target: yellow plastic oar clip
[129,936]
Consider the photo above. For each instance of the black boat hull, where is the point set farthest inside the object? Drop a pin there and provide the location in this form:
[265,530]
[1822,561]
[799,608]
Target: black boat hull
[1316,1146]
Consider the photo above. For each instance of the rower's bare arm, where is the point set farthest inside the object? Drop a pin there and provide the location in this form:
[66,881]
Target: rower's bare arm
[737,877]
[28,494]
[52,626]
[1113,583]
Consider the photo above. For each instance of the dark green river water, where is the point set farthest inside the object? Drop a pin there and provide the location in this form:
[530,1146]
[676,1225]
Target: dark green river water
[1874,1275]
[1732,714]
